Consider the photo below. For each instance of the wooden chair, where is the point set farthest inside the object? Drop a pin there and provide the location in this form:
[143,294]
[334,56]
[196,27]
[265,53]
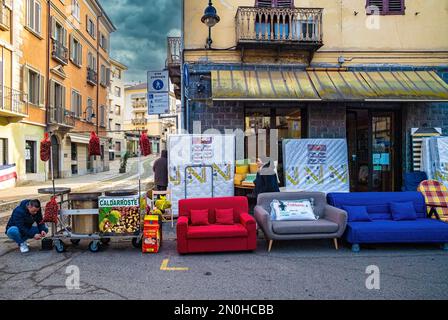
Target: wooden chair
[168,212]
[436,198]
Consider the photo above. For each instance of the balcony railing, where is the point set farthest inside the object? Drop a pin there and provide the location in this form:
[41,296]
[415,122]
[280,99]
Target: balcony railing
[92,76]
[61,116]
[13,101]
[5,17]
[174,50]
[137,122]
[140,105]
[289,26]
[59,52]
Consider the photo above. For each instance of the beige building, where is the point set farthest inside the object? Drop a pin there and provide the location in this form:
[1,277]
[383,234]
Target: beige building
[117,142]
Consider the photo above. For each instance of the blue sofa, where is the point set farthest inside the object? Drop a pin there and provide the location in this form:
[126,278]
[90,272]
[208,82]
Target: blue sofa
[382,228]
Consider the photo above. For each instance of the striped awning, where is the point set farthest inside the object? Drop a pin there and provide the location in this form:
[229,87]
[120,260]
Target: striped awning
[329,86]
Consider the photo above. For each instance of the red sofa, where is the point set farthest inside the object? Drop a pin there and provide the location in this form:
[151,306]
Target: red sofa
[241,236]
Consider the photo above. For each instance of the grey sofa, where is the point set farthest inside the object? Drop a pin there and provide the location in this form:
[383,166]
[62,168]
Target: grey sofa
[331,224]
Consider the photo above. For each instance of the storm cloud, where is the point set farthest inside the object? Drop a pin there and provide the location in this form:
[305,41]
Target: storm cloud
[142,28]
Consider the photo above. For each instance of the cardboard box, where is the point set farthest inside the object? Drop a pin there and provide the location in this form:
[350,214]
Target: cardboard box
[152,237]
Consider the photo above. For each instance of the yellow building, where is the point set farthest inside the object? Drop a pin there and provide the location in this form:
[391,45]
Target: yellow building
[318,69]
[137,119]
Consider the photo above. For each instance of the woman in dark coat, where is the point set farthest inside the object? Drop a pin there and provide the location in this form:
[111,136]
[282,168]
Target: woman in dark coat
[266,180]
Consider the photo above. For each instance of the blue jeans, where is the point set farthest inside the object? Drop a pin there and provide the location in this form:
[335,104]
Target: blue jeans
[14,234]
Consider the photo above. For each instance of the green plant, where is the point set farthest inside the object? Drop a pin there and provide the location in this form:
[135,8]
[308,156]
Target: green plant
[124,162]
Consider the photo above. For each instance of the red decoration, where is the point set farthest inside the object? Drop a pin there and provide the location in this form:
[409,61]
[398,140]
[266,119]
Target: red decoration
[94,145]
[45,148]
[145,145]
[51,211]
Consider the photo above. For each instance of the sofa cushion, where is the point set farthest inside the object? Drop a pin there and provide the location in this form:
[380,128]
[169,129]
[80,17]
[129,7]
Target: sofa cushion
[199,217]
[224,216]
[403,211]
[216,231]
[389,231]
[357,213]
[304,227]
[292,210]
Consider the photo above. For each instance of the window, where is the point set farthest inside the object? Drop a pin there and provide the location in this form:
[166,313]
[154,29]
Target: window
[110,125]
[75,51]
[33,16]
[117,91]
[76,9]
[3,151]
[91,27]
[104,76]
[386,7]
[118,110]
[118,73]
[74,152]
[30,156]
[33,85]
[57,102]
[117,146]
[76,104]
[91,61]
[275,3]
[58,32]
[102,116]
[104,42]
[89,110]
[117,127]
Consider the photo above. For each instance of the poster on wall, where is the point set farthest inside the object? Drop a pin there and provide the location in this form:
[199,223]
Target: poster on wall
[316,165]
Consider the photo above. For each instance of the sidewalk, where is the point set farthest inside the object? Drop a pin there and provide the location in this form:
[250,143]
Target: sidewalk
[9,198]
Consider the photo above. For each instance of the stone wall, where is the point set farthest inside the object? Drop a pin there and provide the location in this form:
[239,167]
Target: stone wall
[326,121]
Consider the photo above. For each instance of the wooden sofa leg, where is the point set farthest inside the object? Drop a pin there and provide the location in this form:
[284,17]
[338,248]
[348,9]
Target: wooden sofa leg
[270,245]
[335,240]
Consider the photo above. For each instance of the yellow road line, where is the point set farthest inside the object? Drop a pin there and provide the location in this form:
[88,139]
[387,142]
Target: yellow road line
[164,267]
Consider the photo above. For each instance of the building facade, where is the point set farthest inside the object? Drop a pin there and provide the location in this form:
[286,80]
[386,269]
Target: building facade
[117,142]
[365,71]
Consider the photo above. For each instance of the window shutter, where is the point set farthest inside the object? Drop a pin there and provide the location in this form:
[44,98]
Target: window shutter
[80,54]
[63,99]
[108,77]
[52,94]
[53,28]
[73,101]
[42,90]
[37,17]
[396,6]
[64,37]
[72,49]
[79,111]
[275,3]
[25,80]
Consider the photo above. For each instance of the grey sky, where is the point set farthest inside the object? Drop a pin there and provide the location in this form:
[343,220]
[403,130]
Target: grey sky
[143,25]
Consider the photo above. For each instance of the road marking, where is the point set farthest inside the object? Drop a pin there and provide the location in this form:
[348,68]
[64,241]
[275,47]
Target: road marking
[164,267]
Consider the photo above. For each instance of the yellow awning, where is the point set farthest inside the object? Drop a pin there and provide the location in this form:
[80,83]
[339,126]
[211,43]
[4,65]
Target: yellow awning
[262,85]
[329,86]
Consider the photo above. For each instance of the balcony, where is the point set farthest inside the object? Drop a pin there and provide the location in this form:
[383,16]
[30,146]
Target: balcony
[174,61]
[59,52]
[140,105]
[92,77]
[61,118]
[5,17]
[293,28]
[139,122]
[11,103]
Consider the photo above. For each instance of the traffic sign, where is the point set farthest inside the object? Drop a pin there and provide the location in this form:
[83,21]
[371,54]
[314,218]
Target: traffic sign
[158,81]
[158,103]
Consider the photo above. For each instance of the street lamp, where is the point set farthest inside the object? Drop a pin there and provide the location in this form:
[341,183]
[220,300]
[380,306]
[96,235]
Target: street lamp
[210,19]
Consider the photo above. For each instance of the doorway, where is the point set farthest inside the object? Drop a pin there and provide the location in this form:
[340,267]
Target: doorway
[374,147]
[55,157]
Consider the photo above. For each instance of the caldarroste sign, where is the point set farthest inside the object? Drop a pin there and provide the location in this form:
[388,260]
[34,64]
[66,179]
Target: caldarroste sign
[158,92]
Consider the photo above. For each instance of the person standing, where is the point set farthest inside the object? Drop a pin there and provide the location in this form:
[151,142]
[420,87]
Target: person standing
[266,180]
[160,169]
[20,226]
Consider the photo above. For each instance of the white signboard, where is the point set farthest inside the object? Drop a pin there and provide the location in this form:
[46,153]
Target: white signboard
[158,103]
[316,165]
[158,82]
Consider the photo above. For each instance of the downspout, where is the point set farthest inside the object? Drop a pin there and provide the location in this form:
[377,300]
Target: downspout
[98,72]
[47,89]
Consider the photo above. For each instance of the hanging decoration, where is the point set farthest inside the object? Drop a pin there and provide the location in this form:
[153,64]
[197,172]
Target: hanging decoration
[45,148]
[94,145]
[51,211]
[145,145]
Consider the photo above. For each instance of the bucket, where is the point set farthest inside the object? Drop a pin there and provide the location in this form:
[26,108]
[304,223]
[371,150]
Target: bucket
[84,224]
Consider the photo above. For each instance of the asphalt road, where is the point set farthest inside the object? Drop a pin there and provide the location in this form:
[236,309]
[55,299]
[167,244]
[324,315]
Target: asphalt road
[293,270]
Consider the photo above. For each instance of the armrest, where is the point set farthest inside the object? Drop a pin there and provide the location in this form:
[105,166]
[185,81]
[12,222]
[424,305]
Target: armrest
[182,228]
[182,223]
[247,220]
[337,216]
[263,219]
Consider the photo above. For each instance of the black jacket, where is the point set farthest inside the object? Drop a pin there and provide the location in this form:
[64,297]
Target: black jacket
[23,220]
[266,181]
[161,170]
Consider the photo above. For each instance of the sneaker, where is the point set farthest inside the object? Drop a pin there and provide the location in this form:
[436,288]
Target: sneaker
[24,247]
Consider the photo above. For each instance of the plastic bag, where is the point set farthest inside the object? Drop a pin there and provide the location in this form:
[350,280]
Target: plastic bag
[51,211]
[45,148]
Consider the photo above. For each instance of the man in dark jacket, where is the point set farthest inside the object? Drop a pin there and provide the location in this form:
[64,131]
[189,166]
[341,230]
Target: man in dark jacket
[266,180]
[161,172]
[20,226]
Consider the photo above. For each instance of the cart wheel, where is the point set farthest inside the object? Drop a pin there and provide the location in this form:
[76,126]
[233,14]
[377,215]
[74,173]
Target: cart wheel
[137,243]
[105,241]
[59,246]
[75,242]
[94,246]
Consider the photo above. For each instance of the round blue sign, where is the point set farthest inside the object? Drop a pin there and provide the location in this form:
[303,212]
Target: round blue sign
[157,85]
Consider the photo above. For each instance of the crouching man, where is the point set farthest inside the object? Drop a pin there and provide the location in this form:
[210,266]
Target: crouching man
[20,226]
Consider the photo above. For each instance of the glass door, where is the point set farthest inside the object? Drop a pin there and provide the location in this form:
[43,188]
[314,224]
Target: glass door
[382,135]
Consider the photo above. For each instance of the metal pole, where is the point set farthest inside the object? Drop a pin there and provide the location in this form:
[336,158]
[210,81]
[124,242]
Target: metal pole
[52,167]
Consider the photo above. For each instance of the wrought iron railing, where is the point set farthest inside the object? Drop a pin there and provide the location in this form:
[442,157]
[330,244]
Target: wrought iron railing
[92,76]
[61,116]
[137,122]
[174,50]
[277,25]
[13,101]
[59,52]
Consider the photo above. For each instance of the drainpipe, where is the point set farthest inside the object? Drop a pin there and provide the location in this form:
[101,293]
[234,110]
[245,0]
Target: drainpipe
[47,89]
[98,71]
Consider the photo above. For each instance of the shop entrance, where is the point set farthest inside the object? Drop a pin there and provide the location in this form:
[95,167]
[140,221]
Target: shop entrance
[259,125]
[374,148]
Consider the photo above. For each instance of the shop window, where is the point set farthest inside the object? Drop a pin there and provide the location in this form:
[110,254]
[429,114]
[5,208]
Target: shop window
[30,156]
[386,7]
